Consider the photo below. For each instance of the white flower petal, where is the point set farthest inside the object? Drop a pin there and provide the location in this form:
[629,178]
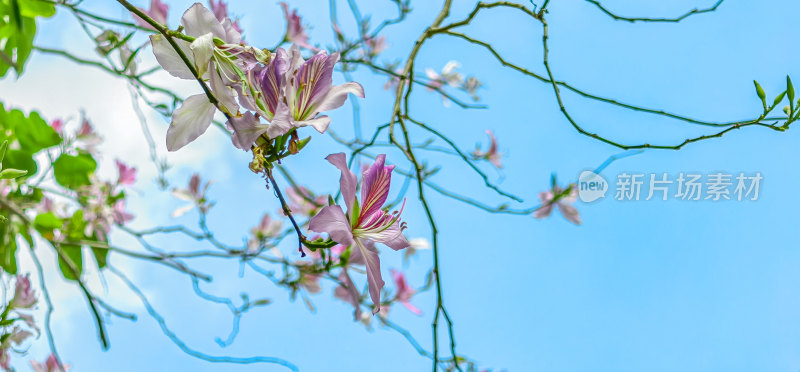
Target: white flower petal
[281,123]
[169,59]
[203,50]
[231,35]
[181,210]
[189,121]
[198,20]
[225,95]
[246,130]
[320,124]
[337,95]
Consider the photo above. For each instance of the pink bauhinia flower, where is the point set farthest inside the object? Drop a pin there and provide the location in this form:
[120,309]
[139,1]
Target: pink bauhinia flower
[404,292]
[194,116]
[310,282]
[194,195]
[98,211]
[365,222]
[57,125]
[563,199]
[492,154]
[267,228]
[302,202]
[87,136]
[127,174]
[28,319]
[50,365]
[220,9]
[375,45]
[295,32]
[394,80]
[86,129]
[119,214]
[18,336]
[448,76]
[158,12]
[293,94]
[347,292]
[24,296]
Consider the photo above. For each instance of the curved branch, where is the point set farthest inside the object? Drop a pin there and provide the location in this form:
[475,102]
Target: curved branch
[655,20]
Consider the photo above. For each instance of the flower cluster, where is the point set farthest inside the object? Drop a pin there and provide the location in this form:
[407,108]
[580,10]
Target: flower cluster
[17,323]
[266,96]
[104,202]
[248,84]
[450,77]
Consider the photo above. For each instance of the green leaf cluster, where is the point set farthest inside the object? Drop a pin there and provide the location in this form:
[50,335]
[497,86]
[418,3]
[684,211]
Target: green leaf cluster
[17,30]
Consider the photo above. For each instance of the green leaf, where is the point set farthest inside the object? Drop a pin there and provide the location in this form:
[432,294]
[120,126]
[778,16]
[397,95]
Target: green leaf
[3,148]
[70,261]
[101,256]
[790,91]
[75,227]
[16,13]
[74,230]
[21,160]
[761,94]
[10,173]
[36,8]
[16,37]
[47,222]
[356,211]
[17,30]
[8,247]
[33,133]
[302,143]
[73,171]
[261,302]
[778,99]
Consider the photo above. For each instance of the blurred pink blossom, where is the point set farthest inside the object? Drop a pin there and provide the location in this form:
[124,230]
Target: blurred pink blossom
[57,125]
[50,365]
[302,202]
[295,32]
[220,9]
[492,154]
[564,203]
[194,195]
[24,296]
[158,12]
[404,292]
[127,174]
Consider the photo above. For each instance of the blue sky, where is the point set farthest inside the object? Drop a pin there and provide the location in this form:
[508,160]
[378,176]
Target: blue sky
[641,285]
